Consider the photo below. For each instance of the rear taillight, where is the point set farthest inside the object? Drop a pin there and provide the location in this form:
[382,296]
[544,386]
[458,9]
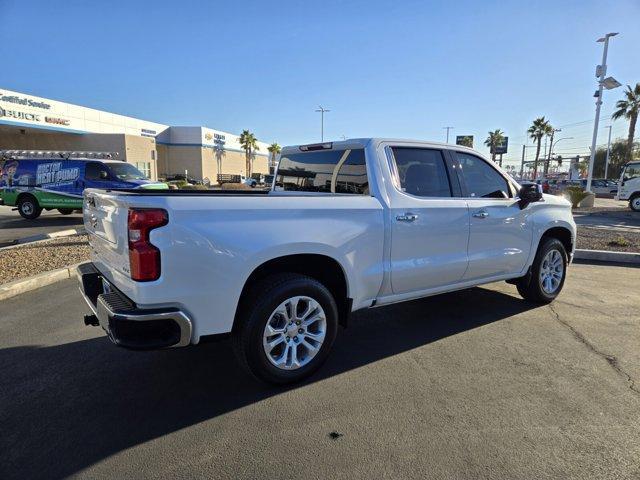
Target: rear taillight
[144,258]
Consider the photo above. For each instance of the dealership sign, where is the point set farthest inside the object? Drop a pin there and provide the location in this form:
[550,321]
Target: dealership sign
[18,115]
[501,147]
[32,117]
[27,102]
[218,139]
[465,140]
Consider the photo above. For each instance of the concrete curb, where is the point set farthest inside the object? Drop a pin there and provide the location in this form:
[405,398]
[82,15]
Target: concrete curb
[631,258]
[45,236]
[23,285]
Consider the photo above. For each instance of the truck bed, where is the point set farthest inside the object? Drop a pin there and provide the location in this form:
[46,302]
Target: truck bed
[187,193]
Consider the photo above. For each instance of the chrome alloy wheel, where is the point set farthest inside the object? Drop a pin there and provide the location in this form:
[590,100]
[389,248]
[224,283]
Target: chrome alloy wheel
[294,333]
[636,203]
[551,271]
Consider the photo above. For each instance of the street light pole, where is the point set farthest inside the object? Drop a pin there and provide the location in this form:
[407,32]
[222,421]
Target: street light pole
[606,162]
[322,112]
[602,70]
[447,129]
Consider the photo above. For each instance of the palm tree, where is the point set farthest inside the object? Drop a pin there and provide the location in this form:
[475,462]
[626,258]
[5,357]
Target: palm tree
[274,150]
[538,129]
[249,143]
[629,109]
[494,140]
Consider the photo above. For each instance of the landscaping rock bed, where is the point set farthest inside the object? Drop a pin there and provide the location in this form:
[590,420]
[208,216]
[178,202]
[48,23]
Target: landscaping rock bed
[590,238]
[33,258]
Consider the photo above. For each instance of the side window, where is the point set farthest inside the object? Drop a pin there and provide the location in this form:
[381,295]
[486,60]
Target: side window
[422,172]
[482,180]
[632,171]
[93,171]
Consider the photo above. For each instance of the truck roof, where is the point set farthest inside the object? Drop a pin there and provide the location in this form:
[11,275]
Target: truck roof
[49,159]
[363,142]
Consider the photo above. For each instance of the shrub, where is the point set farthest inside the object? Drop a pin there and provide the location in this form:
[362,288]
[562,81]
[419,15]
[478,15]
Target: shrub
[619,241]
[575,195]
[194,187]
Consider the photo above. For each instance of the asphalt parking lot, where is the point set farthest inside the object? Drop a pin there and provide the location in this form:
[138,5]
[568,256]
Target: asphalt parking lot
[473,384]
[13,226]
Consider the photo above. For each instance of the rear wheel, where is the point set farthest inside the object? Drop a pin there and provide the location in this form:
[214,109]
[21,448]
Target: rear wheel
[286,328]
[65,211]
[548,273]
[634,203]
[28,207]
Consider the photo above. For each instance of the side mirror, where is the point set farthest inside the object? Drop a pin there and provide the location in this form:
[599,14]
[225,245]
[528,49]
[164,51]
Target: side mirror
[529,194]
[104,175]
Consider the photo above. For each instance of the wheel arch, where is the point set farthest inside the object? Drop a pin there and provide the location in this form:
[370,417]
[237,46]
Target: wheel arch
[561,233]
[325,269]
[22,195]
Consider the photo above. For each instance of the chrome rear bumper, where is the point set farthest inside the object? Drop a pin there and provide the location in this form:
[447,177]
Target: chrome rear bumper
[127,325]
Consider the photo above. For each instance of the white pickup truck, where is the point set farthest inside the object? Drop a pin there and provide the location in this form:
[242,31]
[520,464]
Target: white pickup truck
[346,226]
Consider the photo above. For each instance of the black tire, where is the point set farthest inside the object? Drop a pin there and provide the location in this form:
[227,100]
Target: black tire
[530,286]
[255,311]
[65,211]
[634,202]
[28,207]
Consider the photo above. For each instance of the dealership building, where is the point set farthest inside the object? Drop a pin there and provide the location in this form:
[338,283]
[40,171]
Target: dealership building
[35,123]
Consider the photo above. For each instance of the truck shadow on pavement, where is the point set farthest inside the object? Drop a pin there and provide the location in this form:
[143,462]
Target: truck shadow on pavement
[44,221]
[66,407]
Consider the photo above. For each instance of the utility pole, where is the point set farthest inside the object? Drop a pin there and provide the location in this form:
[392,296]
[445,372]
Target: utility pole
[601,71]
[606,162]
[447,129]
[524,147]
[322,112]
[548,161]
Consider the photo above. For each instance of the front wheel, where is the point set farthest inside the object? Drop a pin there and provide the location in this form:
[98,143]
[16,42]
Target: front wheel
[286,327]
[634,203]
[65,211]
[548,273]
[28,207]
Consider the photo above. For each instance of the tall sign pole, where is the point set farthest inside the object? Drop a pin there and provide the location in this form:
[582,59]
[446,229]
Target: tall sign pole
[601,71]
[322,112]
[447,129]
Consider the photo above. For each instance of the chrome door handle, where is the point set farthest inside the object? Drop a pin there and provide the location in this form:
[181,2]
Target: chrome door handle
[481,214]
[407,217]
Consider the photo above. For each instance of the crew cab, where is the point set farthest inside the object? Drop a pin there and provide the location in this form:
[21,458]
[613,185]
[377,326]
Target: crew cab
[346,226]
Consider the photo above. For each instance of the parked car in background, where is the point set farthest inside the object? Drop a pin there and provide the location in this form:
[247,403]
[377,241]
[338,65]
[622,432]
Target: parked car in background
[348,225]
[629,188]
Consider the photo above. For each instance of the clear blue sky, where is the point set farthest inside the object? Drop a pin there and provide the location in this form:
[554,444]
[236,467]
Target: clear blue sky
[395,68]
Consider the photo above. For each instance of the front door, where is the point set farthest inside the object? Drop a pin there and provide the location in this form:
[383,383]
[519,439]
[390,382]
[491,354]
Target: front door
[429,226]
[500,232]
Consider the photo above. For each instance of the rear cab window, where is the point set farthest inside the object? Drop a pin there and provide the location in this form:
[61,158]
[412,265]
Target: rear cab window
[328,171]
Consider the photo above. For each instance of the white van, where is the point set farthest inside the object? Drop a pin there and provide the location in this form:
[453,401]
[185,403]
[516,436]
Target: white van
[630,185]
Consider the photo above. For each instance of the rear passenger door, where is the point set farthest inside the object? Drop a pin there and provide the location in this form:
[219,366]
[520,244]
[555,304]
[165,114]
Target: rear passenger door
[429,221]
[500,233]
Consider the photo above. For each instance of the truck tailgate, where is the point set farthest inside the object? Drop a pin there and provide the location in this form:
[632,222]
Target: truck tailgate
[105,220]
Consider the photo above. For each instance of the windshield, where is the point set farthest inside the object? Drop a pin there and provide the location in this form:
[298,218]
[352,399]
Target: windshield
[126,171]
[632,170]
